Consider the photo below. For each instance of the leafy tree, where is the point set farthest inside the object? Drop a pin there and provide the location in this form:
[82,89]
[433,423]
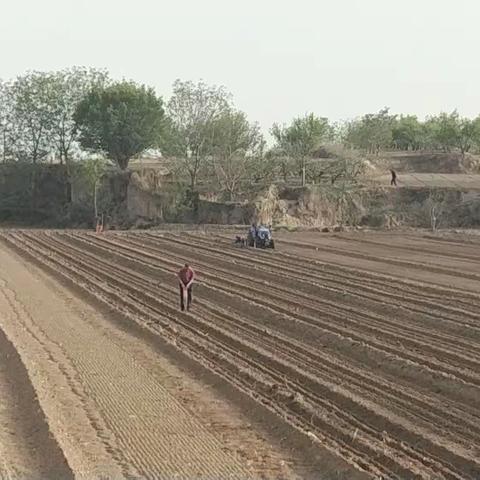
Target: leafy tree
[449,131]
[70,87]
[445,130]
[93,169]
[408,133]
[34,112]
[468,134]
[194,111]
[121,120]
[373,132]
[339,132]
[280,163]
[301,139]
[32,116]
[9,132]
[237,153]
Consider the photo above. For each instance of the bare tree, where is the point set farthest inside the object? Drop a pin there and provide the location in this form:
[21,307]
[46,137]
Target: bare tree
[436,206]
[237,155]
[193,111]
[344,171]
[93,169]
[70,87]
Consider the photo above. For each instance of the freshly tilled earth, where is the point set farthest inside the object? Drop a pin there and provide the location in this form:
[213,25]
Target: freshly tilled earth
[380,367]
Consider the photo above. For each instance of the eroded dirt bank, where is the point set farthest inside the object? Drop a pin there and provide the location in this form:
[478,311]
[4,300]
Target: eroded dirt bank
[27,447]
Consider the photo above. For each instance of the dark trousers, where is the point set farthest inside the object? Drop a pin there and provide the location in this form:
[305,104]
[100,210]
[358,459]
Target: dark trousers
[394,181]
[189,297]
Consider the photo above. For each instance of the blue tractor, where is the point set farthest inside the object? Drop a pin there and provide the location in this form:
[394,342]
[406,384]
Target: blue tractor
[260,237]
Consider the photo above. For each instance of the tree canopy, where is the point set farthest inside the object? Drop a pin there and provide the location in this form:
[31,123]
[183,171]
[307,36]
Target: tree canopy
[301,138]
[372,132]
[408,133]
[63,115]
[121,120]
[69,89]
[193,112]
[237,158]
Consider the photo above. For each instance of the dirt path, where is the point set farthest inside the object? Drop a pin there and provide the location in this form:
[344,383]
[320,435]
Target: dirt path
[116,408]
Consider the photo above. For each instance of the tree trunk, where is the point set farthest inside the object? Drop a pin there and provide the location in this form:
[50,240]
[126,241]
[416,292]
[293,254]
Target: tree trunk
[303,173]
[69,181]
[4,147]
[33,186]
[95,200]
[193,181]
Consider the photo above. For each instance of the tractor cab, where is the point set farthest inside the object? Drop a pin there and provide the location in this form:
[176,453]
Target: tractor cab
[260,237]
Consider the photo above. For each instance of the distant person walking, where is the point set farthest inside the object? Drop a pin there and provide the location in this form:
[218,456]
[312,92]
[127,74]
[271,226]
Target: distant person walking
[186,276]
[393,182]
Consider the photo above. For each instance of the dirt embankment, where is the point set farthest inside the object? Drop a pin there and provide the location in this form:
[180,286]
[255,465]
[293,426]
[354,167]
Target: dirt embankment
[27,448]
[426,162]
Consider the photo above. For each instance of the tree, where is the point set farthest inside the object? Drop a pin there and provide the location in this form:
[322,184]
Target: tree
[70,88]
[408,133]
[445,130]
[468,134]
[449,131]
[93,169]
[301,139]
[345,171]
[121,120]
[9,131]
[34,111]
[237,153]
[373,132]
[193,114]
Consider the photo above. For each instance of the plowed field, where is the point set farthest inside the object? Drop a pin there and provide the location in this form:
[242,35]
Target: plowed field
[368,344]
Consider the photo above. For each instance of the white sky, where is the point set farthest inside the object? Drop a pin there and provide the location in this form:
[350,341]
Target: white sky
[279,58]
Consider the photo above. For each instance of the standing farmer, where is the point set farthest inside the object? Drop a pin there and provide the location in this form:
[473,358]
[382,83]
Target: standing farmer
[186,276]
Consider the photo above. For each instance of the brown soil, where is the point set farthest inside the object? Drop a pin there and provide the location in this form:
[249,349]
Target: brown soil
[368,345]
[116,408]
[27,448]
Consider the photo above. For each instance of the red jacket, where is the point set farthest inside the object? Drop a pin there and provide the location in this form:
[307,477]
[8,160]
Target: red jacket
[186,275]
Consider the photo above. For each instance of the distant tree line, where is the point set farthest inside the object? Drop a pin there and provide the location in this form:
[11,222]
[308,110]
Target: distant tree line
[74,113]
[382,131]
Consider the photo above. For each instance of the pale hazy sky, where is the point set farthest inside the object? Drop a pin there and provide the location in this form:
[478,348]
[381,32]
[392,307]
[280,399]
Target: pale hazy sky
[337,58]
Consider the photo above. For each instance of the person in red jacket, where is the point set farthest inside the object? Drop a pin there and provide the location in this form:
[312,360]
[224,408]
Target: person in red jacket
[186,276]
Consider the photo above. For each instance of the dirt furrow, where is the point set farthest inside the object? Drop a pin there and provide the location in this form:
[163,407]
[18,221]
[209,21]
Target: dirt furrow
[234,371]
[312,291]
[416,247]
[361,274]
[434,298]
[348,323]
[313,359]
[390,261]
[437,454]
[347,351]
